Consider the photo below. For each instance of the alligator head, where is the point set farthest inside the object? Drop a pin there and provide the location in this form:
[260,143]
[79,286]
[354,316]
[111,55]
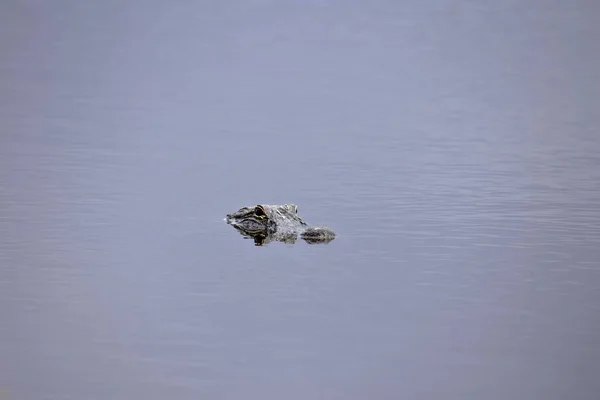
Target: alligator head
[266,223]
[254,219]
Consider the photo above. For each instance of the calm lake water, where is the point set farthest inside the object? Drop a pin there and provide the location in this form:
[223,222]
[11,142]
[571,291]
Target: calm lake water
[453,146]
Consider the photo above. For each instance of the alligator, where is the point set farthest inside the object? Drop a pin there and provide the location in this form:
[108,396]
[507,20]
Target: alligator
[265,223]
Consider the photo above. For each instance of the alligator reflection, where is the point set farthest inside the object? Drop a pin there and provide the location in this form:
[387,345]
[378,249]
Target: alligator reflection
[262,238]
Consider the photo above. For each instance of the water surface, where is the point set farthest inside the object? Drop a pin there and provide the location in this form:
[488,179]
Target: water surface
[453,147]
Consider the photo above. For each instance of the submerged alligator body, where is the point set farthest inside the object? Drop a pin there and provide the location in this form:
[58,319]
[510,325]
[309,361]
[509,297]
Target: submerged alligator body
[265,223]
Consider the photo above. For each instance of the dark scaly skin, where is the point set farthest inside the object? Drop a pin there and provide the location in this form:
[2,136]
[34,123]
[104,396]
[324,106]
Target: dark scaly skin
[266,223]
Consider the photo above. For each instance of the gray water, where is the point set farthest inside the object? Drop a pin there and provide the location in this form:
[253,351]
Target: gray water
[453,147]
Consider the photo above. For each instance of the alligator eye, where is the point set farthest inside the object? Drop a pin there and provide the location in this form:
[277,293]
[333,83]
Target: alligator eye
[259,211]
